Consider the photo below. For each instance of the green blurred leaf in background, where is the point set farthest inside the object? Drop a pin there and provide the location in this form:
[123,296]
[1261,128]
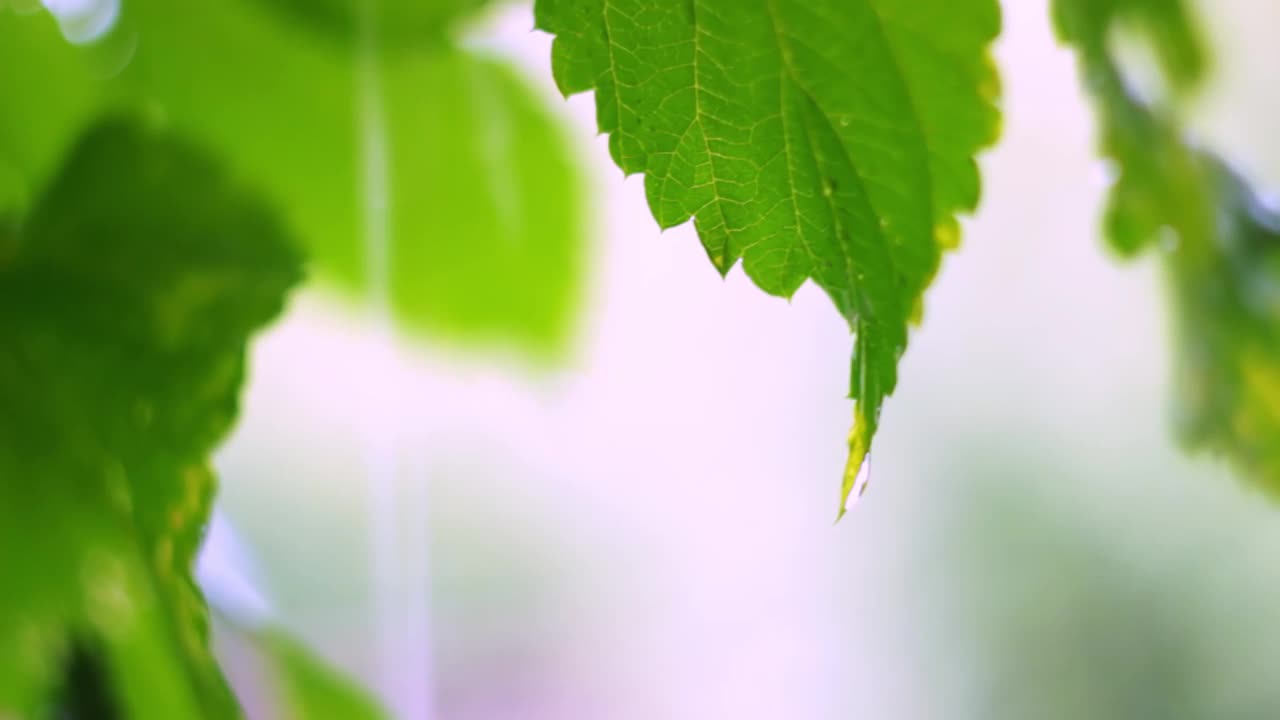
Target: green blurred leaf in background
[1219,242]
[427,176]
[127,296]
[831,140]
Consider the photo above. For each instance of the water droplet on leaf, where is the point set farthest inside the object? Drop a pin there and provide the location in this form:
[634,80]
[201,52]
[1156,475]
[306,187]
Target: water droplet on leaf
[859,483]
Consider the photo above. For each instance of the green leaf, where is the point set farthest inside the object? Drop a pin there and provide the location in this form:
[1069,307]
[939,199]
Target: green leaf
[127,296]
[1093,26]
[444,156]
[1225,280]
[1220,245]
[830,140]
[403,23]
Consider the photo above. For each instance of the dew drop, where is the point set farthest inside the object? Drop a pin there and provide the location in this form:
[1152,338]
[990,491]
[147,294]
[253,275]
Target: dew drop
[1169,239]
[947,235]
[860,483]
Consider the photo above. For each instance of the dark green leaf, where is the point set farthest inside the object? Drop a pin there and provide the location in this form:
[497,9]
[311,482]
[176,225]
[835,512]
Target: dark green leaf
[830,140]
[127,296]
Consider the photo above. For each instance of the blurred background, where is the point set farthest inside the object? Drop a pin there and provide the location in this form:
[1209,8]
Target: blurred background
[644,530]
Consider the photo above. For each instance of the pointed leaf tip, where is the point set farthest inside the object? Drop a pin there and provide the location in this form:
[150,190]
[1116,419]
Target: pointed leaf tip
[857,469]
[797,178]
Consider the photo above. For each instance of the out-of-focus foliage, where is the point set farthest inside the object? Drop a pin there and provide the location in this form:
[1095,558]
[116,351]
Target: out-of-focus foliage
[132,271]
[432,179]
[1092,26]
[830,140]
[402,23]
[127,296]
[1220,244]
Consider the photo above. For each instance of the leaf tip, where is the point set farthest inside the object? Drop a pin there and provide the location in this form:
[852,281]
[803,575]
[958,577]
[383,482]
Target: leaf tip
[857,469]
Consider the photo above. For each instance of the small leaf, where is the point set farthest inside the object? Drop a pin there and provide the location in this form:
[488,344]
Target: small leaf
[126,301]
[830,140]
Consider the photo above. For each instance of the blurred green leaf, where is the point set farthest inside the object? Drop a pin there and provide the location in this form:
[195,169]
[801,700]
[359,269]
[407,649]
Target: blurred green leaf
[1226,290]
[403,23]
[1093,26]
[127,296]
[831,140]
[445,155]
[1220,244]
[1062,594]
